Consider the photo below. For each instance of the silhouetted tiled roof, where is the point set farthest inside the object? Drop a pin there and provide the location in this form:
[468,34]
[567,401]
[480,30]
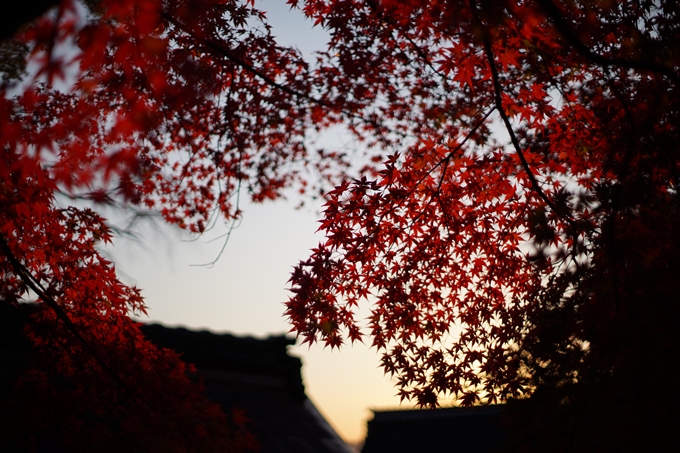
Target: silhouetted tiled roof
[224,352]
[471,429]
[259,377]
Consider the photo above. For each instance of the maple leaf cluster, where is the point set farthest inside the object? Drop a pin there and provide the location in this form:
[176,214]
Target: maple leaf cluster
[512,232]
[522,241]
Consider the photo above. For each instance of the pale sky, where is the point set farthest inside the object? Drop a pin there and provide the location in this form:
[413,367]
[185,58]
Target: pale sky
[245,291]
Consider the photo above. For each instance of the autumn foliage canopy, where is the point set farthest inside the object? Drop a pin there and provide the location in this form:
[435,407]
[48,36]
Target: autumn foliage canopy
[512,226]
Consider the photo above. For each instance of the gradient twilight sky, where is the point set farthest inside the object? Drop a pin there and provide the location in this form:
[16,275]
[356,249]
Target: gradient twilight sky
[244,292]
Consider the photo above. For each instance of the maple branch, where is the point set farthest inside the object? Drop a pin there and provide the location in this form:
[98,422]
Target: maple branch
[419,51]
[498,100]
[451,153]
[42,293]
[436,194]
[561,24]
[445,163]
[394,206]
[216,47]
[219,49]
